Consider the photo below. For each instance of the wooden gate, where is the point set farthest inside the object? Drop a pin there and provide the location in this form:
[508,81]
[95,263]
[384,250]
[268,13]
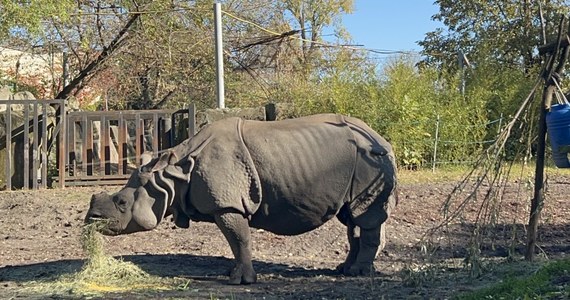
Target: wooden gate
[30,132]
[91,148]
[104,147]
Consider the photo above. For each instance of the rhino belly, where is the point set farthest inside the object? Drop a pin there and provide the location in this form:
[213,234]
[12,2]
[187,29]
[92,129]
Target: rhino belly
[305,171]
[292,216]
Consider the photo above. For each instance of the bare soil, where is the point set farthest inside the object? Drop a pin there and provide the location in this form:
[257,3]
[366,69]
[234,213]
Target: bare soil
[39,240]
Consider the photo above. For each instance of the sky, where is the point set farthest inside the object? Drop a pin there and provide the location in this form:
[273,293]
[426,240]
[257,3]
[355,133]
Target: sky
[391,24]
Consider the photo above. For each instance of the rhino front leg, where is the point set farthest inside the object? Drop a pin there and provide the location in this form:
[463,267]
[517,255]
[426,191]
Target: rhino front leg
[235,228]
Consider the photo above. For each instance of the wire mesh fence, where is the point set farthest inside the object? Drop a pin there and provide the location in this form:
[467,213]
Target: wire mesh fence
[435,142]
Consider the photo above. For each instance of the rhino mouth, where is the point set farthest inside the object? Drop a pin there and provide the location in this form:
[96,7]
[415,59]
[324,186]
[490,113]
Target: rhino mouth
[104,225]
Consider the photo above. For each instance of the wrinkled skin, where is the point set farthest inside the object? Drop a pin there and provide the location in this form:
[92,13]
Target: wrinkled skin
[287,177]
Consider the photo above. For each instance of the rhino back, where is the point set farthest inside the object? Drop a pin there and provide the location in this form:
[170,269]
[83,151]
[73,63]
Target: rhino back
[305,166]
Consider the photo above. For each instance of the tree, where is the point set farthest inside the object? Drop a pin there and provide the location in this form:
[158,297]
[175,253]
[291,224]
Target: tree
[493,32]
[312,16]
[24,18]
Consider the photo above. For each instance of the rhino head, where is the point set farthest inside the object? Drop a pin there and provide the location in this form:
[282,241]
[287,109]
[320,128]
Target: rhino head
[145,200]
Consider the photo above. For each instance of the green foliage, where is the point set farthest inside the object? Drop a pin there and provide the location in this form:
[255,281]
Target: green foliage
[23,18]
[502,32]
[549,282]
[418,106]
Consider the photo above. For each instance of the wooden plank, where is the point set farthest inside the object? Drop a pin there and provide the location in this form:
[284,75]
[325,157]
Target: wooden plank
[26,145]
[139,123]
[107,139]
[45,139]
[72,145]
[68,139]
[35,150]
[102,145]
[125,132]
[89,146]
[83,125]
[62,144]
[166,133]
[174,137]
[155,136]
[121,145]
[100,177]
[8,146]
[97,182]
[133,113]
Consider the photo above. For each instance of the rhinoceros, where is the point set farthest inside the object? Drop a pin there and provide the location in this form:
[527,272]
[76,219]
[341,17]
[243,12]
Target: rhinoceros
[287,177]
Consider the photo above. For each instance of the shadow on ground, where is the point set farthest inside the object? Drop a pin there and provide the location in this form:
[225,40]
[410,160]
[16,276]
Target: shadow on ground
[206,277]
[163,265]
[500,240]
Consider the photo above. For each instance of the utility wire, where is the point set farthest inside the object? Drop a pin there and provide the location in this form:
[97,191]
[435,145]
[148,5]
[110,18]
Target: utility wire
[377,51]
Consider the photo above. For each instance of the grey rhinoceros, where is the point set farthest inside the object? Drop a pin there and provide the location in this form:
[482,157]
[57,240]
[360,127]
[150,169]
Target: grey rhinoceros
[287,177]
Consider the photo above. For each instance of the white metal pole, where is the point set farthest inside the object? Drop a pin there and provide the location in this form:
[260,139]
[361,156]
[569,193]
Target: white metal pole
[219,56]
[435,145]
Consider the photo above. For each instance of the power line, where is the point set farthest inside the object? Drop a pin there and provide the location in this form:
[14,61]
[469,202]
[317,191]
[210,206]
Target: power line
[376,51]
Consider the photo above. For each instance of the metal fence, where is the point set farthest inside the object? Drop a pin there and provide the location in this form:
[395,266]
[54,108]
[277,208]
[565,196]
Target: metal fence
[436,141]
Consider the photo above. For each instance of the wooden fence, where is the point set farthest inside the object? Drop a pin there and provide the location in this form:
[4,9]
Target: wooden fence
[91,148]
[106,146]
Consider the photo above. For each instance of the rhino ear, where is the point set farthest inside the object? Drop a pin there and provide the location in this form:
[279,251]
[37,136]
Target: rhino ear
[166,159]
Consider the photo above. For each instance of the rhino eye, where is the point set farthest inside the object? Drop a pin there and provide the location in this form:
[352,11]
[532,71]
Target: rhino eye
[121,204]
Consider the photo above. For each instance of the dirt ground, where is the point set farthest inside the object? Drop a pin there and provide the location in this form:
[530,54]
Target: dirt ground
[39,240]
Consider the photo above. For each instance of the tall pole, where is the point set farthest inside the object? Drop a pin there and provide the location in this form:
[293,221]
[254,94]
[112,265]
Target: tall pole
[539,184]
[538,199]
[219,56]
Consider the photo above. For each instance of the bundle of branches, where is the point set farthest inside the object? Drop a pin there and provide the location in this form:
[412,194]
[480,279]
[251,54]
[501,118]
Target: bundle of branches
[477,203]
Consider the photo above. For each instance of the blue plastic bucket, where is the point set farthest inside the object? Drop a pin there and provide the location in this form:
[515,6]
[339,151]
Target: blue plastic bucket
[558,125]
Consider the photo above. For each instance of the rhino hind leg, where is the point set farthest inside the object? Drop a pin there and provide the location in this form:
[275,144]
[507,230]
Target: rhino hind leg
[354,245]
[236,230]
[366,246]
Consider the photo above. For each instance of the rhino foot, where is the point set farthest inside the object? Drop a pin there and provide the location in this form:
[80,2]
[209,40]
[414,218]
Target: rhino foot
[356,269]
[242,274]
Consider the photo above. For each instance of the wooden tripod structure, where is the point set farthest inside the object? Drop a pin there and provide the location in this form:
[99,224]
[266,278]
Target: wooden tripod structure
[557,51]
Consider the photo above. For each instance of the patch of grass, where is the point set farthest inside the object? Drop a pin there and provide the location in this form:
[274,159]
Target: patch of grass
[458,172]
[102,273]
[446,174]
[552,281]
[416,275]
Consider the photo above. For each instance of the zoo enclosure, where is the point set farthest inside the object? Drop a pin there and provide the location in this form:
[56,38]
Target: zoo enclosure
[91,148]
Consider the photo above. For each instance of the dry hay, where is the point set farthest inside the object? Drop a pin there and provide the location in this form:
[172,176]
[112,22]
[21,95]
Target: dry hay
[102,273]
